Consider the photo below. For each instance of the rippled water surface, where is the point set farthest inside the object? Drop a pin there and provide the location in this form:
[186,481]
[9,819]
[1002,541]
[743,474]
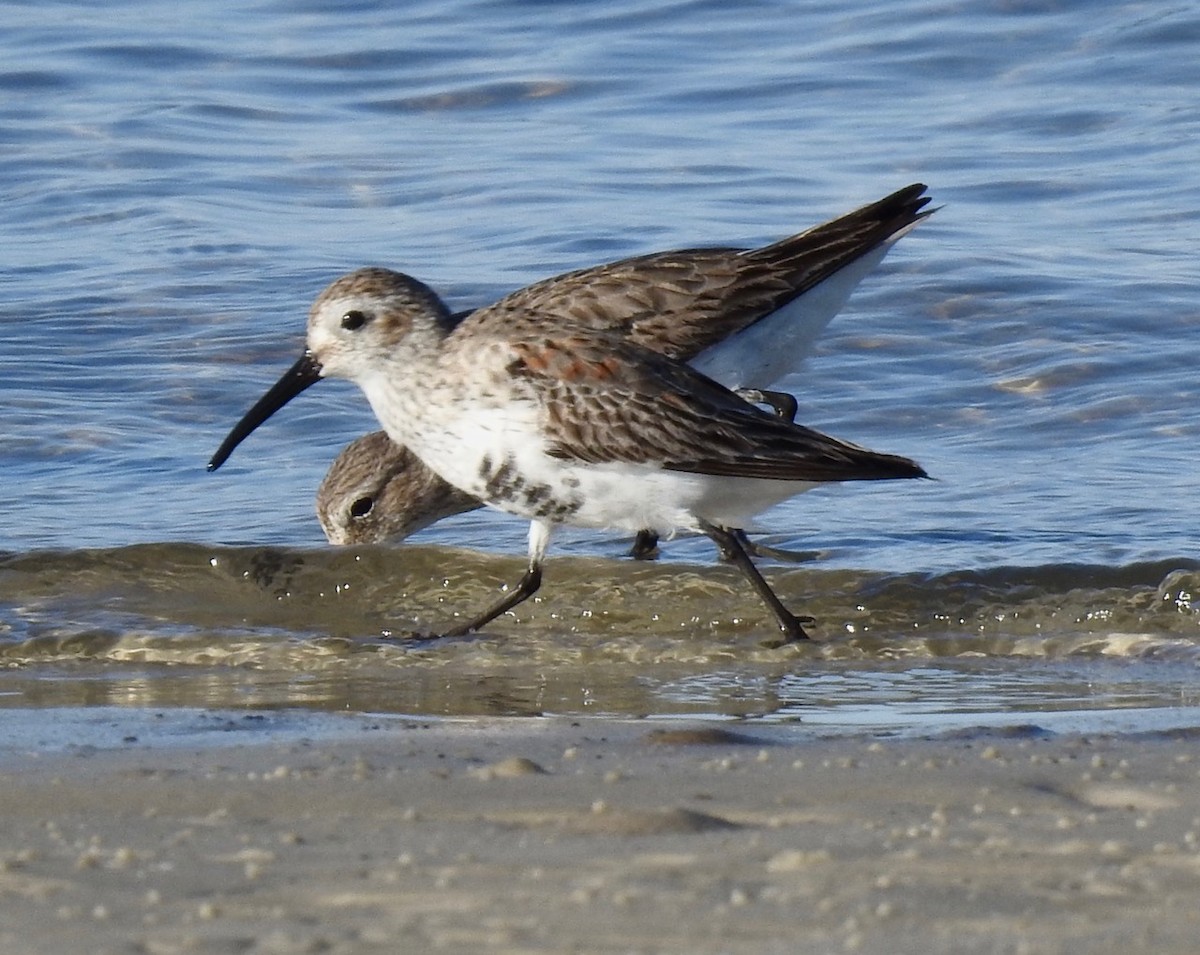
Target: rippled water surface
[181,181]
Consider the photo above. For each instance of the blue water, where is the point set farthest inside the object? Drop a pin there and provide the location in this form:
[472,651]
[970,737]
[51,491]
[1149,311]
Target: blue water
[179,182]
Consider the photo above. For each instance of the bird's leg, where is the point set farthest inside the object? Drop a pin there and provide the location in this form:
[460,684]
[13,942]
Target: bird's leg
[645,546]
[762,550]
[783,404]
[774,553]
[526,587]
[727,542]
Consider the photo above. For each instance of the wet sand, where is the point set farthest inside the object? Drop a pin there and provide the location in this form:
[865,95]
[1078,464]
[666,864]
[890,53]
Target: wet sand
[558,835]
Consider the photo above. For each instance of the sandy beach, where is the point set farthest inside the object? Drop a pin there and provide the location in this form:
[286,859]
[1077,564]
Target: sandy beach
[560,835]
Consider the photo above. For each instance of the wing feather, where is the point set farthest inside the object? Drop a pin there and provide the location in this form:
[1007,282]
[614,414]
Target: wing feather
[680,303]
[610,401]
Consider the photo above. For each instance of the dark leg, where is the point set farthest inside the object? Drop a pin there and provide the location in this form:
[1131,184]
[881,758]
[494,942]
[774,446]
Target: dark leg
[526,587]
[781,402]
[762,550]
[775,553]
[645,546]
[728,543]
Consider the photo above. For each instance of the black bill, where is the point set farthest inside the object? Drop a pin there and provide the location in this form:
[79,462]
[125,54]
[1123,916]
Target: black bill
[306,372]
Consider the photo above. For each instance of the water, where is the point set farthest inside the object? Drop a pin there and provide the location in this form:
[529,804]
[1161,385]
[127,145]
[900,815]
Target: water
[180,182]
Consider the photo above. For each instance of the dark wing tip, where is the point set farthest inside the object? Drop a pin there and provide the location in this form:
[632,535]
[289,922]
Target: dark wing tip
[887,467]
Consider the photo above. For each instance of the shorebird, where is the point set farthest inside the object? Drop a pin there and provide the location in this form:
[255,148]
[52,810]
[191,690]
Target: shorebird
[534,407]
[377,490]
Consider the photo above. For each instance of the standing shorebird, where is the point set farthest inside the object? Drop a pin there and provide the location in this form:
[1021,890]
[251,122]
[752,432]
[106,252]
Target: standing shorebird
[533,406]
[714,308]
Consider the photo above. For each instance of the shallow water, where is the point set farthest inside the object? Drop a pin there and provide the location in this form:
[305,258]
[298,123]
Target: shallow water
[345,630]
[180,183]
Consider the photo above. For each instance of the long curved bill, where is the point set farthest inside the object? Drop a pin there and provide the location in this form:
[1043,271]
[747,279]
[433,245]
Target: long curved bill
[303,374]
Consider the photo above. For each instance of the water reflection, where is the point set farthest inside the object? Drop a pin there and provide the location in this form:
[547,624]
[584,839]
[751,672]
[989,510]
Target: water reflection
[888,698]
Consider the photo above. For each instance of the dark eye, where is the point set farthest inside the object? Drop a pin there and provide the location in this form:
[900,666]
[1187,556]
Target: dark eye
[353,320]
[361,507]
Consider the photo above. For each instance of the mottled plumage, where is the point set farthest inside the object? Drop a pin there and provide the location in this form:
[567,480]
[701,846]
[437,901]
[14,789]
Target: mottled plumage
[689,304]
[682,303]
[607,401]
[540,412]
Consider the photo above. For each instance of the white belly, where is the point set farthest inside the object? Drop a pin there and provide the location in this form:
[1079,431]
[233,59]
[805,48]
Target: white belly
[495,452]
